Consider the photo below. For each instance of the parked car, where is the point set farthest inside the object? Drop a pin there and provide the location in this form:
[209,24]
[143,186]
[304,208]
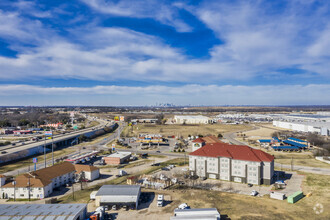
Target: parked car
[254,193]
[183,206]
[250,185]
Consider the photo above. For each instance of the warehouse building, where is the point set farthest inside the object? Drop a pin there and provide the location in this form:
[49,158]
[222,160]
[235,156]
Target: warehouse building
[118,195]
[322,128]
[43,211]
[236,163]
[200,214]
[191,119]
[117,158]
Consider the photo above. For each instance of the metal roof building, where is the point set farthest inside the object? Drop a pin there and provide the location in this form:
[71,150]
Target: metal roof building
[119,195]
[200,214]
[43,211]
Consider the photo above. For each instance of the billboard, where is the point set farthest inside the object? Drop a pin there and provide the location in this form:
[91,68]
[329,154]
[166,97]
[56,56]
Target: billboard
[48,133]
[121,118]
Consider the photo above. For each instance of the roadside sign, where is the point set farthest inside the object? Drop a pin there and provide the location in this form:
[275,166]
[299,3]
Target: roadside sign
[121,118]
[48,133]
[35,160]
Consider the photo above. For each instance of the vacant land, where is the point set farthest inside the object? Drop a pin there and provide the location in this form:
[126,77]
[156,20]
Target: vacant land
[261,132]
[184,130]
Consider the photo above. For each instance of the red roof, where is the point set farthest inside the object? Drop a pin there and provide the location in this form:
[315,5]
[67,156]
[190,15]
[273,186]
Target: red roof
[208,140]
[237,152]
[198,140]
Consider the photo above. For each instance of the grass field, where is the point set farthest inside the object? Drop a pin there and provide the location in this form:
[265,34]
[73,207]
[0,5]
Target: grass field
[303,159]
[184,130]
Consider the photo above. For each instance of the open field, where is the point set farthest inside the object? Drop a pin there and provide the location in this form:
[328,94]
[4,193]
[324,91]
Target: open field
[262,132]
[303,158]
[184,130]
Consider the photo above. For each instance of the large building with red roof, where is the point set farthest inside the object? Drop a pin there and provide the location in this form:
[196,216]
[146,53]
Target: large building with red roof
[239,163]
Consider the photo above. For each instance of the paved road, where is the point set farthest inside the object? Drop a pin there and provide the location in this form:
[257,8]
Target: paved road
[49,162]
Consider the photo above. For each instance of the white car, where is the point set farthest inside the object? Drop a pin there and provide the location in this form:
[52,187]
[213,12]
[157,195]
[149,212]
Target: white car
[183,206]
[254,193]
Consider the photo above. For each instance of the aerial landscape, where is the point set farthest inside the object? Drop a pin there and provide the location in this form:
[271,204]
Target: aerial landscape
[169,110]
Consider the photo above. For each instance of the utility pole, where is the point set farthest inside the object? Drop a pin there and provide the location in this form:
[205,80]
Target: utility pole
[52,149]
[45,152]
[72,191]
[14,190]
[29,189]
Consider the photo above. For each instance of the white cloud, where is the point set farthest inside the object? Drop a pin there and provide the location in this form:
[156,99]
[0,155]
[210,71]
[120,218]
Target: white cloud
[158,10]
[187,94]
[256,43]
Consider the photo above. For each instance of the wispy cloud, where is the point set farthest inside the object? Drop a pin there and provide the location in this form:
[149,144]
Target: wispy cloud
[159,10]
[198,94]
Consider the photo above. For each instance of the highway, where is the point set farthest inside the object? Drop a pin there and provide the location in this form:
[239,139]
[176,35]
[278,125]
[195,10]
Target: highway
[57,138]
[41,165]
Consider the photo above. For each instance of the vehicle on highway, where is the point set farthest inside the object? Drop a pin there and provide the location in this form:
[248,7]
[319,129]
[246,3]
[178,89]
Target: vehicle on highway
[3,152]
[158,151]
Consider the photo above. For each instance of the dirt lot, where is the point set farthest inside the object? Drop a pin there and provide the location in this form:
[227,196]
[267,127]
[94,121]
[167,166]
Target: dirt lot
[236,206]
[184,130]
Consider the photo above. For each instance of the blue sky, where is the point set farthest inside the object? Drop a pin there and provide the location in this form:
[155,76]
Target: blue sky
[132,52]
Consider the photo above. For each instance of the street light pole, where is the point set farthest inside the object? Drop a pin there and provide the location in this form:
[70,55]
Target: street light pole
[45,152]
[52,149]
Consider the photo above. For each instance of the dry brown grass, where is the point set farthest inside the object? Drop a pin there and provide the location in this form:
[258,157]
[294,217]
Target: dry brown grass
[184,130]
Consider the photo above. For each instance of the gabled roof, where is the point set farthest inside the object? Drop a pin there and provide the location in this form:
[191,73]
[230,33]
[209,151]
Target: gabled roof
[50,173]
[237,152]
[208,140]
[23,181]
[198,140]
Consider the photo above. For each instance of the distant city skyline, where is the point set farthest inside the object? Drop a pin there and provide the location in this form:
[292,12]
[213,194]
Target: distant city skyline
[134,52]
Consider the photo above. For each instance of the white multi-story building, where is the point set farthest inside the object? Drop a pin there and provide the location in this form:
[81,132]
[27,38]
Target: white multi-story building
[191,119]
[40,184]
[232,162]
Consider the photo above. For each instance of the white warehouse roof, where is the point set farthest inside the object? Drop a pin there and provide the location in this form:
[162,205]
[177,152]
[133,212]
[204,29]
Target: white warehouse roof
[120,154]
[41,211]
[200,214]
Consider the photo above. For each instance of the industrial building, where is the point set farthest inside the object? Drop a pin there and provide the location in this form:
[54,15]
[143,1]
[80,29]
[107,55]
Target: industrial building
[200,214]
[41,183]
[117,158]
[236,163]
[322,128]
[191,119]
[118,195]
[43,211]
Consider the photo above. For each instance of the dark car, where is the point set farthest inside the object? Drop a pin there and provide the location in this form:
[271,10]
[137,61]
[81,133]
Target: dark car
[3,152]
[158,151]
[250,185]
